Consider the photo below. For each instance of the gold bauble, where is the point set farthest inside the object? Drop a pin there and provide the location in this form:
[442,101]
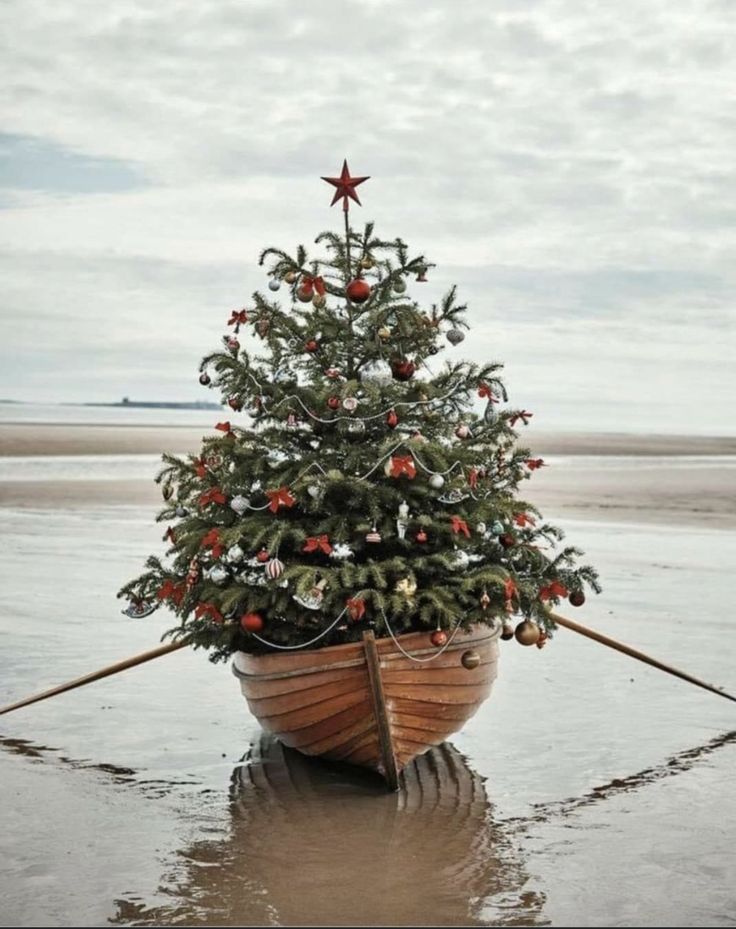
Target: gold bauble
[406,586]
[470,659]
[290,277]
[384,333]
[527,633]
[367,262]
[319,300]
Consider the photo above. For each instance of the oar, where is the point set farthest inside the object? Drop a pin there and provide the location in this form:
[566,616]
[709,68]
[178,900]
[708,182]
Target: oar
[634,653]
[97,675]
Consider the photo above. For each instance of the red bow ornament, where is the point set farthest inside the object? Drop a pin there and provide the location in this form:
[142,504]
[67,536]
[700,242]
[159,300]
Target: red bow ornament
[510,589]
[485,391]
[238,318]
[200,468]
[555,589]
[225,427]
[534,463]
[523,415]
[280,497]
[403,464]
[213,495]
[171,591]
[318,543]
[169,536]
[459,525]
[205,610]
[313,283]
[212,540]
[523,519]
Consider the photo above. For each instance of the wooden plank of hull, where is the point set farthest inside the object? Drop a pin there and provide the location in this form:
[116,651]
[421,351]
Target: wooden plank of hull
[327,703]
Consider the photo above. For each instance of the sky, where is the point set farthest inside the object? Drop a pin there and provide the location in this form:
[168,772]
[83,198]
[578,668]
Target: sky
[570,165]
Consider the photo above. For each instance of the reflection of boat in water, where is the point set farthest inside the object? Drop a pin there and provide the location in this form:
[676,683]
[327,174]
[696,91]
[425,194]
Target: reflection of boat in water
[371,703]
[313,843]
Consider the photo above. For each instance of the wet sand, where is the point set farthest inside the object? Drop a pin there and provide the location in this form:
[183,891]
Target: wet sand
[588,791]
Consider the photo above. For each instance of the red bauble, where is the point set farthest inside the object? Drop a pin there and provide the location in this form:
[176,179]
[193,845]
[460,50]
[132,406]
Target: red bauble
[304,293]
[421,536]
[402,369]
[263,556]
[333,403]
[392,420]
[438,638]
[577,598]
[251,622]
[233,343]
[507,540]
[312,346]
[358,290]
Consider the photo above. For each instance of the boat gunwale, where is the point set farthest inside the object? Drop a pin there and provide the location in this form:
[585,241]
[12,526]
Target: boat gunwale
[490,632]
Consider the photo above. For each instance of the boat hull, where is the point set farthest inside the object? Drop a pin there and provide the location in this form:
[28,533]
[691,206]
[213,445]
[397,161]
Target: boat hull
[367,703]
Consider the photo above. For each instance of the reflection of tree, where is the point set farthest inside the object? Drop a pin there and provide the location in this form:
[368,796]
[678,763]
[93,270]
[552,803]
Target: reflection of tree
[312,843]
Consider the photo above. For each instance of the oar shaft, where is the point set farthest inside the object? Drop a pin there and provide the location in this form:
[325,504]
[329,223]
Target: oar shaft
[640,656]
[97,675]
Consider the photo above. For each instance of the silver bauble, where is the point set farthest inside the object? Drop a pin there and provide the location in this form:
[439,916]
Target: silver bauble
[399,285]
[274,284]
[455,336]
[240,504]
[218,574]
[182,511]
[235,554]
[437,481]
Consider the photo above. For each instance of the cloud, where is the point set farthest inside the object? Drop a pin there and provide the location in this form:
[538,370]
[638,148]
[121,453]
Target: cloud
[570,166]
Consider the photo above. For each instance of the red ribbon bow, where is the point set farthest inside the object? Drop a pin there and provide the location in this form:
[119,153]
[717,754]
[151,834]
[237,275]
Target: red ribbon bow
[485,391]
[510,589]
[403,464]
[319,542]
[473,478]
[459,525]
[171,591]
[280,497]
[316,283]
[356,608]
[225,427]
[199,467]
[212,540]
[523,415]
[169,536]
[555,589]
[213,495]
[534,463]
[523,519]
[238,318]
[203,610]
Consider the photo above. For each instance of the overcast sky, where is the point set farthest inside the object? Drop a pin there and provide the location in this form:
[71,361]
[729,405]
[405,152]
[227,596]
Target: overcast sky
[569,164]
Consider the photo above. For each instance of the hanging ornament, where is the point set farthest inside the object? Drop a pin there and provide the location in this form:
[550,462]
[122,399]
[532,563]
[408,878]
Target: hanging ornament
[399,285]
[341,551]
[239,504]
[181,511]
[274,284]
[314,599]
[402,521]
[402,369]
[262,327]
[507,632]
[290,277]
[304,293]
[497,528]
[422,276]
[577,598]
[460,559]
[204,379]
[507,540]
[438,638]
[291,421]
[402,464]
[374,536]
[350,404]
[485,600]
[433,349]
[453,496]
[319,300]
[333,403]
[527,633]
[138,608]
[218,574]
[235,554]
[436,481]
[192,573]
[470,659]
[358,291]
[332,373]
[235,403]
[312,346]
[384,333]
[232,343]
[392,420]
[481,528]
[367,262]
[462,430]
[263,556]
[314,490]
[406,586]
[455,336]
[274,569]
[251,622]
[421,536]
[318,543]
[356,608]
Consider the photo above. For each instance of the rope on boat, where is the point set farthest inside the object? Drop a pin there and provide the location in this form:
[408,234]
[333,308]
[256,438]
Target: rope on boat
[289,648]
[412,657]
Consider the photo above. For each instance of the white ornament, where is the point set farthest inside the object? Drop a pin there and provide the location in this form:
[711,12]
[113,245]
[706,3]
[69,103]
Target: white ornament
[461,558]
[311,601]
[274,568]
[462,431]
[350,404]
[235,554]
[481,528]
[218,574]
[356,425]
[402,523]
[314,490]
[437,481]
[453,496]
[341,551]
[240,504]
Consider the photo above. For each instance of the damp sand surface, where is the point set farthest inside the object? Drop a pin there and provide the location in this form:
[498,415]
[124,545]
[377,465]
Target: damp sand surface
[589,790]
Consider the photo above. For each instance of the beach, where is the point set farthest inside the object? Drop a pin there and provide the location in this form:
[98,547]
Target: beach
[601,789]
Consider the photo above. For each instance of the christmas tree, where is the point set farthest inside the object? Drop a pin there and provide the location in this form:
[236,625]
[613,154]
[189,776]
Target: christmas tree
[375,485]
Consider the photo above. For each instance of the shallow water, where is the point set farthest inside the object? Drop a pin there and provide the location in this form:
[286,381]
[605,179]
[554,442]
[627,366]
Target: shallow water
[588,791]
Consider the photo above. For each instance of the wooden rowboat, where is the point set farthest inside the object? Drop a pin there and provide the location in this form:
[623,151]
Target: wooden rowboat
[367,703]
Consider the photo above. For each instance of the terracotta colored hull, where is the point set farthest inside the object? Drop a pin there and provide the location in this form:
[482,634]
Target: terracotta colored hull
[366,703]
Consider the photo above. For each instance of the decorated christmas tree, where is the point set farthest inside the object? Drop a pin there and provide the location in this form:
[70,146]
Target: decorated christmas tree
[373,483]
